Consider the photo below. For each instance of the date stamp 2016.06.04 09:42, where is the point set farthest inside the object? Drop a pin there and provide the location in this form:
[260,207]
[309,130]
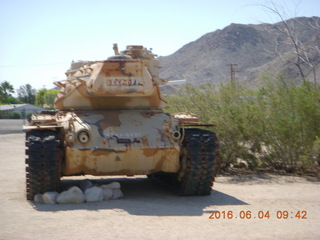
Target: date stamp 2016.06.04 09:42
[284,214]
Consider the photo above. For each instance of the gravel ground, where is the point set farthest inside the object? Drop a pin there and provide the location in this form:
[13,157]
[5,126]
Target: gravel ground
[247,207]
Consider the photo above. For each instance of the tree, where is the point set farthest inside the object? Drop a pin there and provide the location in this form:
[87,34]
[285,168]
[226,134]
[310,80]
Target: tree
[303,55]
[27,94]
[49,97]
[45,97]
[40,97]
[6,90]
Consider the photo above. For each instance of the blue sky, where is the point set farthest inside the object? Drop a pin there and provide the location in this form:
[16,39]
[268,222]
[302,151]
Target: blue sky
[39,38]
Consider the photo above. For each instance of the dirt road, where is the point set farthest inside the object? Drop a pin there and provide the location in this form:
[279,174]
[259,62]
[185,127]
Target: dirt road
[11,125]
[151,211]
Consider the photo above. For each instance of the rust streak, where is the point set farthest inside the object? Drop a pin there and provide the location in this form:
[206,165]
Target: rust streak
[149,152]
[110,119]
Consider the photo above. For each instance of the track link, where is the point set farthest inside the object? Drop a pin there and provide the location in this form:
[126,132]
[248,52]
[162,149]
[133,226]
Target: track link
[199,162]
[43,162]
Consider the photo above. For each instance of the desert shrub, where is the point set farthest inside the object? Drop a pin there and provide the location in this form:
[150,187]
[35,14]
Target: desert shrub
[234,113]
[291,119]
[275,126]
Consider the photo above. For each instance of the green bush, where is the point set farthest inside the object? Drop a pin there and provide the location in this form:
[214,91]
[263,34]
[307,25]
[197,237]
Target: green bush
[15,115]
[291,118]
[275,126]
[12,115]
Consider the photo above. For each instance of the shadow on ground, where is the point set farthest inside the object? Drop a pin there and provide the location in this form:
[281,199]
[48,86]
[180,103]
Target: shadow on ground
[266,178]
[143,197]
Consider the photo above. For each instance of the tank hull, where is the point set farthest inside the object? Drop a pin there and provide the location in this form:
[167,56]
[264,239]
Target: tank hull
[120,142]
[101,162]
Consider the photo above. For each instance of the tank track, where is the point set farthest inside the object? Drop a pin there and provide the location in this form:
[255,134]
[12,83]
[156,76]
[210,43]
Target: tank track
[199,162]
[43,162]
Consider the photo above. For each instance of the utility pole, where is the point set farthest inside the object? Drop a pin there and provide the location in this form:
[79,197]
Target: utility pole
[233,74]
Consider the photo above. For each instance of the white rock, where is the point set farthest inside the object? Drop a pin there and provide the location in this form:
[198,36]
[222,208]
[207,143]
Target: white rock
[117,193]
[107,193]
[38,198]
[85,184]
[112,185]
[73,195]
[50,197]
[94,194]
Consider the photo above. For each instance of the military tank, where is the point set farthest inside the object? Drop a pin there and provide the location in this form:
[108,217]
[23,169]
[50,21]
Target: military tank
[110,121]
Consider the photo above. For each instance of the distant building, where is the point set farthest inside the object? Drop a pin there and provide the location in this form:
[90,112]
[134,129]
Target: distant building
[22,109]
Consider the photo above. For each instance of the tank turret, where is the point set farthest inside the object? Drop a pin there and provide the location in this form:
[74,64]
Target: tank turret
[128,80]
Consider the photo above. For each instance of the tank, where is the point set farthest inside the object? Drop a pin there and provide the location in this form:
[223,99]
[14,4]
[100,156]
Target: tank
[110,121]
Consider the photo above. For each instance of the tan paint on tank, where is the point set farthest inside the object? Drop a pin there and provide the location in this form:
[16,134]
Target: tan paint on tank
[121,78]
[99,153]
[109,103]
[71,96]
[166,160]
[133,68]
[76,97]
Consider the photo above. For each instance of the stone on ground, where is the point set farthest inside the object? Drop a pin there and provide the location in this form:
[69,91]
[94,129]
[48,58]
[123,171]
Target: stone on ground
[50,197]
[85,184]
[73,195]
[38,198]
[94,194]
[117,193]
[107,193]
[89,194]
[112,185]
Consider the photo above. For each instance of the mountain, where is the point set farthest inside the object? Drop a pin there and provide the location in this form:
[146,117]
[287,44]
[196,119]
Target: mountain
[254,49]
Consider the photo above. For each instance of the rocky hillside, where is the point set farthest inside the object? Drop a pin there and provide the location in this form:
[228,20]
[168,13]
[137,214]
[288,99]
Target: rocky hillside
[254,48]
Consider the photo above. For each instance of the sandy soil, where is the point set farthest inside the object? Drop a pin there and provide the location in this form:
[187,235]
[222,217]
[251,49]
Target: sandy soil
[151,211]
